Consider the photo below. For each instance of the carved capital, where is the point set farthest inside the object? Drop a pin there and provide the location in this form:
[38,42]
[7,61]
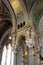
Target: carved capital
[30,43]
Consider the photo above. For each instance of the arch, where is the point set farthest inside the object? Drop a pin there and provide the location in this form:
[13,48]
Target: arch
[39,17]
[22,34]
[12,13]
[38,8]
[22,39]
[4,36]
[41,36]
[37,12]
[41,25]
[22,51]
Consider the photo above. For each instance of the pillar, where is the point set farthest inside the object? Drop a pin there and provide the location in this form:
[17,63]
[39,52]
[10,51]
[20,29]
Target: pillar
[8,55]
[14,50]
[30,47]
[31,58]
[14,55]
[37,56]
[30,43]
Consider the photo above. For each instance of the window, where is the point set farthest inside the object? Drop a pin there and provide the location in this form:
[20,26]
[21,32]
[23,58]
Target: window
[18,26]
[23,23]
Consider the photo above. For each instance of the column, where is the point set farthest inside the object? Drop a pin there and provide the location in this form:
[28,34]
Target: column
[38,59]
[30,46]
[37,56]
[14,50]
[31,57]
[8,58]
[34,37]
[14,55]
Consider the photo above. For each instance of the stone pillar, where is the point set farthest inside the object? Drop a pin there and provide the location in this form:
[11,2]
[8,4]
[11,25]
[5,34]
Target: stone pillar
[37,56]
[38,59]
[8,55]
[30,42]
[31,57]
[30,46]
[14,50]
[37,50]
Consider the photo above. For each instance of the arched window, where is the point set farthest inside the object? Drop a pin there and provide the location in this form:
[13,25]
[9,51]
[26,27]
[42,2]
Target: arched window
[18,26]
[23,23]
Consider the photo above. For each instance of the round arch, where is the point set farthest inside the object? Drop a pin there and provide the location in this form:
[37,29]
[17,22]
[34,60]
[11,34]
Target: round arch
[22,51]
[21,41]
[5,35]
[41,35]
[39,6]
[12,13]
[37,12]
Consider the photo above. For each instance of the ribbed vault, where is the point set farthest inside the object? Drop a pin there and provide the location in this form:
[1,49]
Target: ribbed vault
[37,12]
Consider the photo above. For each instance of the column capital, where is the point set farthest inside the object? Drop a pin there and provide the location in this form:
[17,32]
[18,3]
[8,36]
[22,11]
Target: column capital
[30,43]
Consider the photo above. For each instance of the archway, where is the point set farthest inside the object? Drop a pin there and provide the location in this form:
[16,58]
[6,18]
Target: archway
[41,35]
[22,51]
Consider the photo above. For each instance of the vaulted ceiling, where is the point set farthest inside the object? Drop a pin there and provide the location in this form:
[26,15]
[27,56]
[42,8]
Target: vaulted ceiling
[5,19]
[34,7]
